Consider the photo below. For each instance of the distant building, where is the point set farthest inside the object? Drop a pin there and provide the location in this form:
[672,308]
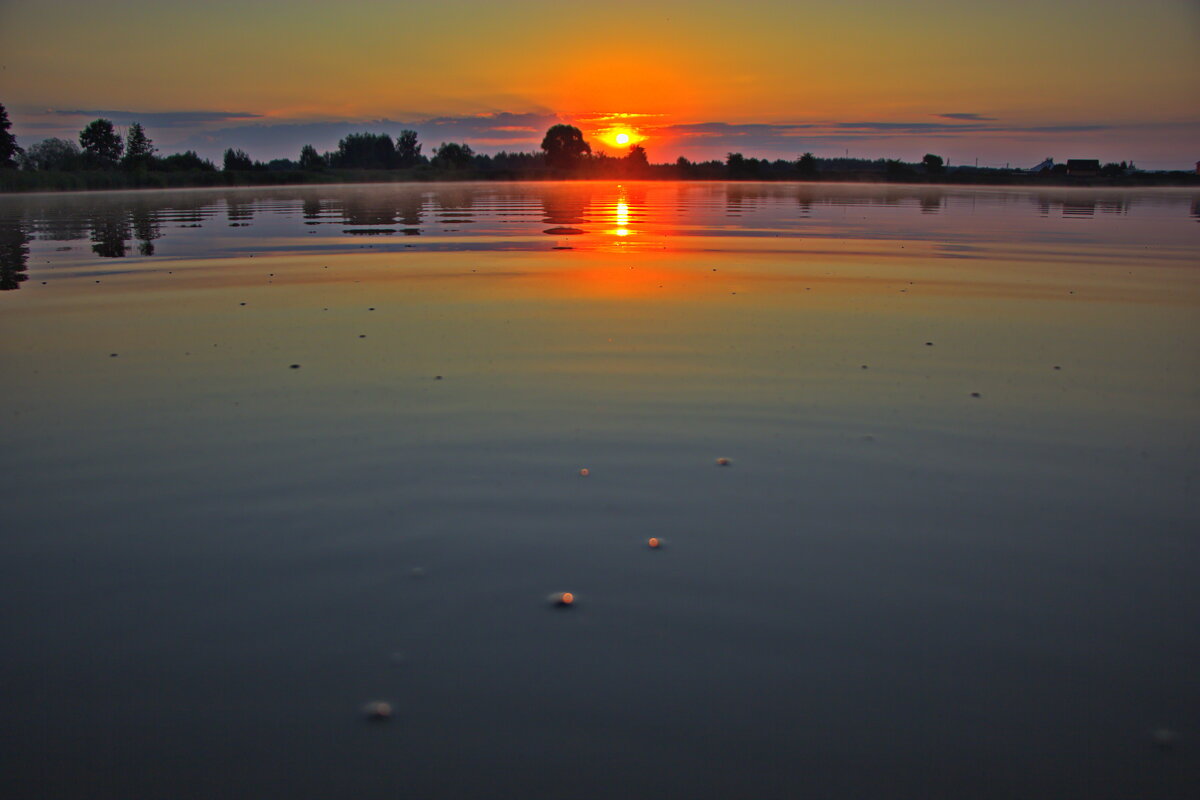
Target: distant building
[1045,166]
[1083,167]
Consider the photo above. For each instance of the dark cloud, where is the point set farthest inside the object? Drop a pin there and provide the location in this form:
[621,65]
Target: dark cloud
[494,129]
[909,127]
[968,116]
[869,129]
[484,132]
[1064,128]
[211,132]
[161,119]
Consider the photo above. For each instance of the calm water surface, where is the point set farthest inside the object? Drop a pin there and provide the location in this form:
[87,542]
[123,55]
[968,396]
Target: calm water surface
[955,553]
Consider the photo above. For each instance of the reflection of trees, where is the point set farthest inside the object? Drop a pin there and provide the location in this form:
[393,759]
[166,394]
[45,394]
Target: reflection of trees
[145,228]
[58,223]
[239,208]
[14,254]
[109,234]
[368,209]
[311,207]
[454,202]
[566,207]
[739,198]
[409,210]
[931,204]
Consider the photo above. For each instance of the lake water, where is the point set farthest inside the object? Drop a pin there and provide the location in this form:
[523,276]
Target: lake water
[271,454]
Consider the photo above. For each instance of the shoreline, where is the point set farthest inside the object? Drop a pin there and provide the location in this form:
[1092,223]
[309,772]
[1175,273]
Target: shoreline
[101,181]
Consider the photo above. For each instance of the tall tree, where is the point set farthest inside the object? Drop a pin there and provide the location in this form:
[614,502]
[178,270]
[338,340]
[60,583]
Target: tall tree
[139,150]
[806,165]
[933,163]
[366,151]
[56,154]
[453,156]
[310,159]
[101,143]
[8,143]
[181,162]
[564,146]
[408,149]
[237,160]
[636,158]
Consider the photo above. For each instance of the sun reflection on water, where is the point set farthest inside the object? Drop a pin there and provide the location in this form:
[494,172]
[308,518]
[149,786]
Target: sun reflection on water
[621,214]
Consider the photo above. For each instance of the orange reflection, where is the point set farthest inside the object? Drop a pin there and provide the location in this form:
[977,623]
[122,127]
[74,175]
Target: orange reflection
[607,280]
[620,214]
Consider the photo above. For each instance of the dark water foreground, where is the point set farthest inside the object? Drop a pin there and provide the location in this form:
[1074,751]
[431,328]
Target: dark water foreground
[954,554]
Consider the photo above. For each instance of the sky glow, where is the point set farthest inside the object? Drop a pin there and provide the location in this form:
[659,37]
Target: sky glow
[997,81]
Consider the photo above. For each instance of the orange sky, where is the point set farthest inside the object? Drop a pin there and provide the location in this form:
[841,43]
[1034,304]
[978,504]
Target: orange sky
[1031,68]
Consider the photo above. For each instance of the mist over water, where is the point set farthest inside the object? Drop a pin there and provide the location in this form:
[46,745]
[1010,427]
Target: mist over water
[276,453]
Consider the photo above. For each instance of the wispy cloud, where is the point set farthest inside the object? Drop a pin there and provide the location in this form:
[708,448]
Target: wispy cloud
[489,132]
[965,115]
[859,129]
[963,134]
[160,119]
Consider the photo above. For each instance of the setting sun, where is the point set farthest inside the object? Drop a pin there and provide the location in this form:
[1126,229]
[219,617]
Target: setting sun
[614,130]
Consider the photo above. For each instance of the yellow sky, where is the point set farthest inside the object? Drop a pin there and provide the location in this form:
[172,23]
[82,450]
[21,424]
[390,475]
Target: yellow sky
[765,61]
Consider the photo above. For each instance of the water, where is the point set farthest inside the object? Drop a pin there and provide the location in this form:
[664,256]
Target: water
[954,553]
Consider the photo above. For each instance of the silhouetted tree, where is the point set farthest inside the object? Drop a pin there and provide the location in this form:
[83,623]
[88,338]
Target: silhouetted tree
[635,159]
[310,159]
[806,165]
[738,166]
[101,143]
[564,146]
[139,150]
[8,143]
[52,154]
[896,170]
[933,164]
[366,151]
[181,162]
[237,160]
[408,149]
[453,156]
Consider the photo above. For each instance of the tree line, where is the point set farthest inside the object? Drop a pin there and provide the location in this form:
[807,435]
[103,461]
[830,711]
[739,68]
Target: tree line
[104,158]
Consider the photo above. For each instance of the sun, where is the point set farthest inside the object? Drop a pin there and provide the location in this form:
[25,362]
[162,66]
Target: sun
[622,138]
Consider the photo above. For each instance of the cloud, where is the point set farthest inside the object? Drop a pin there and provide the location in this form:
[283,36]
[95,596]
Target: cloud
[490,132]
[160,119]
[1063,128]
[782,133]
[959,134]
